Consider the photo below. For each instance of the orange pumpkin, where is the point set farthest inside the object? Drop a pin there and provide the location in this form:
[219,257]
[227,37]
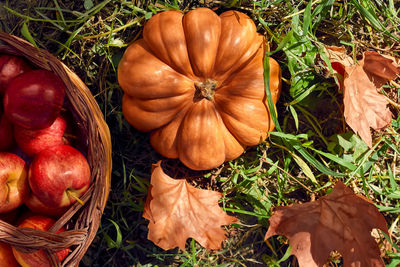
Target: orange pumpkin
[197,82]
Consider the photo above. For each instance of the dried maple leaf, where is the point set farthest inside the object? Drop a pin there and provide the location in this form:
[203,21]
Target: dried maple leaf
[364,107]
[176,211]
[379,69]
[339,60]
[340,221]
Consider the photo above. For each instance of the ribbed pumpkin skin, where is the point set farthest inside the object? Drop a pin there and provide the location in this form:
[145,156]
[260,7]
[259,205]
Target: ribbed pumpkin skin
[197,82]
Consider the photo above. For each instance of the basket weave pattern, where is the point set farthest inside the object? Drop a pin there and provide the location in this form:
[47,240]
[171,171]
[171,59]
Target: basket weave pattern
[96,136]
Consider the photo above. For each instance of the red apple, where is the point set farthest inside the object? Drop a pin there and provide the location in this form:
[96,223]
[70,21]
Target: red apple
[34,99]
[7,258]
[10,67]
[35,205]
[33,141]
[6,133]
[14,186]
[38,258]
[58,176]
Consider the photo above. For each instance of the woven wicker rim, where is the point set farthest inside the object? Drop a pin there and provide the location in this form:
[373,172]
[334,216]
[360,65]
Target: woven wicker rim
[88,117]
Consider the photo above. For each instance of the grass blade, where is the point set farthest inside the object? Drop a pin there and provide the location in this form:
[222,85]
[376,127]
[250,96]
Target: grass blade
[27,34]
[271,105]
[371,17]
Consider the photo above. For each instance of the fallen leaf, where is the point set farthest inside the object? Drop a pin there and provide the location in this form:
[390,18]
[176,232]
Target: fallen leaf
[364,107]
[339,54]
[339,60]
[177,211]
[146,209]
[379,69]
[341,221]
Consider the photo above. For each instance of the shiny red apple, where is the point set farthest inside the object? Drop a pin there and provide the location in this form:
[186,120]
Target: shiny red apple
[34,99]
[14,186]
[58,176]
[38,207]
[32,141]
[7,258]
[6,133]
[38,258]
[10,67]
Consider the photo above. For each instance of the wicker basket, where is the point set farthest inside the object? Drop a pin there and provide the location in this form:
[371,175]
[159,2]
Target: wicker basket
[95,132]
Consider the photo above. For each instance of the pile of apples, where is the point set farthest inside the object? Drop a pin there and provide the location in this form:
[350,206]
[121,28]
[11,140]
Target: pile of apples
[41,173]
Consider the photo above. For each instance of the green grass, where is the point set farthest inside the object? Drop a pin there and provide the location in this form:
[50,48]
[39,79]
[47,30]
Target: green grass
[310,150]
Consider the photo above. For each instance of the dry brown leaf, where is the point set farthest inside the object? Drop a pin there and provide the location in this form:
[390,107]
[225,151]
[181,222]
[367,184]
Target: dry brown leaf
[379,69]
[339,60]
[364,107]
[176,211]
[340,221]
[339,54]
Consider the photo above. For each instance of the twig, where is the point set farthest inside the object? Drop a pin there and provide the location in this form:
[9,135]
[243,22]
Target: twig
[394,84]
[396,105]
[291,176]
[298,12]
[133,22]
[394,161]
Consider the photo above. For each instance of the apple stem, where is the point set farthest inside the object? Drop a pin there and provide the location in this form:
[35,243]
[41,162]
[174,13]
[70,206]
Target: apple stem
[70,194]
[71,136]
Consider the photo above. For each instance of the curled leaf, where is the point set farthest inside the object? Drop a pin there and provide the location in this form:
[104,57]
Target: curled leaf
[340,221]
[339,55]
[176,211]
[364,107]
[379,69]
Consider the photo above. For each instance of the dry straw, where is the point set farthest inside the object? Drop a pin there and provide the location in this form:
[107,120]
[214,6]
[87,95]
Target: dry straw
[95,133]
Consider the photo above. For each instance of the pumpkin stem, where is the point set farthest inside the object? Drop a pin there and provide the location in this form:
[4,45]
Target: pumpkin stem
[205,89]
